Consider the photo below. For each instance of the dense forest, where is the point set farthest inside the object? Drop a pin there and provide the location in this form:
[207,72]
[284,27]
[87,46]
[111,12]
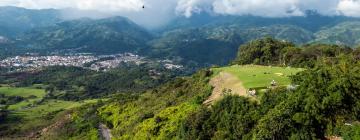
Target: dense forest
[156,113]
[269,51]
[75,83]
[324,104]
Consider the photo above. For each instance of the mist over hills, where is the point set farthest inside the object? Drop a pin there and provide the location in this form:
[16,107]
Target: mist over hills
[14,20]
[202,39]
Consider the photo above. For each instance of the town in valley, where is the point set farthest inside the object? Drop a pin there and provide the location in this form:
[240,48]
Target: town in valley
[31,62]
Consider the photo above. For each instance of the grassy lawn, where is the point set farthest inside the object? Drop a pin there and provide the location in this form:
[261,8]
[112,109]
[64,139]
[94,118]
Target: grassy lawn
[23,92]
[49,106]
[253,76]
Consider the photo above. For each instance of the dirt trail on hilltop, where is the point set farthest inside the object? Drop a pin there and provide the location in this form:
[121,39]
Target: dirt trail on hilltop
[223,81]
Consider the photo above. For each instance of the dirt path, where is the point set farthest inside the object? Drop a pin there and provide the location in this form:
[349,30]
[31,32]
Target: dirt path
[105,132]
[223,81]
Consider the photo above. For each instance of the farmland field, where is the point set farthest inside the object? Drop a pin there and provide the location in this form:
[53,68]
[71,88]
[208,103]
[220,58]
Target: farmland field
[35,112]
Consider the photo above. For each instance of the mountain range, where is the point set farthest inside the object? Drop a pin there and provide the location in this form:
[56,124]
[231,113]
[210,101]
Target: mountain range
[200,40]
[116,34]
[257,77]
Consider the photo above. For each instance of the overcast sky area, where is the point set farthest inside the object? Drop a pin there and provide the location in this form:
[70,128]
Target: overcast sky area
[157,12]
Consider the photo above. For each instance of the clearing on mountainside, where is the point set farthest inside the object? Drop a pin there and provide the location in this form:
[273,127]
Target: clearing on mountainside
[239,79]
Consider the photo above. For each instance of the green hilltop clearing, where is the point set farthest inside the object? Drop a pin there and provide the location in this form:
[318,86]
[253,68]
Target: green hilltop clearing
[254,76]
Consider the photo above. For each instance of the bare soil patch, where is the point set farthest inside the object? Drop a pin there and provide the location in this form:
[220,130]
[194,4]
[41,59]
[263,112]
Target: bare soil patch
[225,80]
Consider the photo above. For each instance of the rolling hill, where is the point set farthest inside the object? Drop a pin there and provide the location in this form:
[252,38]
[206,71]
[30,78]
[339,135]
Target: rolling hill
[197,41]
[346,33]
[216,45]
[14,20]
[311,21]
[111,35]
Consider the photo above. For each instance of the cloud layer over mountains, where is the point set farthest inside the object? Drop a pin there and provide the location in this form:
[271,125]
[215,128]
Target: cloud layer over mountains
[161,11]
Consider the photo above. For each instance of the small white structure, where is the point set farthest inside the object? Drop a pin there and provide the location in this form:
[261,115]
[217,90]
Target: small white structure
[252,92]
[273,83]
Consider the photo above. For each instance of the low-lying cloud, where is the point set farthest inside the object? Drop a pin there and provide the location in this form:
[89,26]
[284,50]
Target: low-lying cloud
[158,12]
[349,7]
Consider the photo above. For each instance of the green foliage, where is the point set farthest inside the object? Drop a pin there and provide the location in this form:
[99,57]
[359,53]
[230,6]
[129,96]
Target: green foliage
[3,113]
[219,41]
[73,83]
[349,132]
[80,123]
[268,51]
[27,111]
[326,98]
[157,114]
[28,116]
[324,94]
[103,36]
[261,52]
[8,100]
[22,91]
[231,118]
[202,42]
[346,33]
[20,97]
[165,124]
[15,21]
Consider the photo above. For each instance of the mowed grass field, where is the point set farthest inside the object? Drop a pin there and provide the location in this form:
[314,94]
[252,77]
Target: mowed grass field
[254,76]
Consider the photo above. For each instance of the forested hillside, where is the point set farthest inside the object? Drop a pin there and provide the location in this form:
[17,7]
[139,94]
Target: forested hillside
[15,21]
[321,102]
[74,83]
[257,78]
[212,39]
[324,104]
[268,51]
[105,36]
[346,33]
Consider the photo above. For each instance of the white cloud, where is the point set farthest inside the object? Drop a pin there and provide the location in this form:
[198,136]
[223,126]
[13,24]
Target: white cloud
[158,12]
[349,7]
[101,5]
[325,7]
[188,7]
[268,8]
[272,8]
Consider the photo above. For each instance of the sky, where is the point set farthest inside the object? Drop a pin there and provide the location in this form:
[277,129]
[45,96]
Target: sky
[158,12]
